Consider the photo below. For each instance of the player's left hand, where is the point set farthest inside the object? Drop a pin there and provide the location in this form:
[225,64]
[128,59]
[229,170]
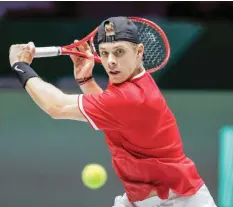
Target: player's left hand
[22,53]
[83,67]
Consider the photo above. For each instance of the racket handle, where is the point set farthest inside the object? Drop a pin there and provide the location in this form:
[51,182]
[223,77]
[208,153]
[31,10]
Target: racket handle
[47,51]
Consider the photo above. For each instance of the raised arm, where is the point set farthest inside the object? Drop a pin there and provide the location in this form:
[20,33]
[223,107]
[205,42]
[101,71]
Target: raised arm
[83,68]
[49,98]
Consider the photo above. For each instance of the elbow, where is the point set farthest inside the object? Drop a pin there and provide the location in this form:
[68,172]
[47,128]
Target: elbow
[53,112]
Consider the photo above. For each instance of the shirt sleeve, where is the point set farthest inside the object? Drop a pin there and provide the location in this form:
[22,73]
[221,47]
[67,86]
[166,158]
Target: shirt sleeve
[104,111]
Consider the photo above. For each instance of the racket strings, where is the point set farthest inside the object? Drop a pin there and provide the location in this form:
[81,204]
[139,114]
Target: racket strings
[96,45]
[154,47]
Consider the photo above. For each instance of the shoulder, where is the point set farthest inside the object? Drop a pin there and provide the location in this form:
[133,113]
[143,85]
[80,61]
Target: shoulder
[125,93]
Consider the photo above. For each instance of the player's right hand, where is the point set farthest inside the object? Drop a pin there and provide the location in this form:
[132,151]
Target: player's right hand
[83,67]
[22,53]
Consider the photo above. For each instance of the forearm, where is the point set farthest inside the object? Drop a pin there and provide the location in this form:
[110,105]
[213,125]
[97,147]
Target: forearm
[45,95]
[91,87]
[49,98]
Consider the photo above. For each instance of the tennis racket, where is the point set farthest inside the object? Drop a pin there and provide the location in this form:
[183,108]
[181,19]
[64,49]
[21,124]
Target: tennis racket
[156,45]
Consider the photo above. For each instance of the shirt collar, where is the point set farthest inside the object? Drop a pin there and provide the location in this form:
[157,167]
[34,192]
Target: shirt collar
[139,75]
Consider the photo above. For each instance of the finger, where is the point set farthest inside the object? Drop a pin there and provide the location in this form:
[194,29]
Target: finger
[86,46]
[88,51]
[74,58]
[21,47]
[90,55]
[81,48]
[32,47]
[26,48]
[75,48]
[76,41]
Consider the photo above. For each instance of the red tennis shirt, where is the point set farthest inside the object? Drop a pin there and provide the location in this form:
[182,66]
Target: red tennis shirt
[143,138]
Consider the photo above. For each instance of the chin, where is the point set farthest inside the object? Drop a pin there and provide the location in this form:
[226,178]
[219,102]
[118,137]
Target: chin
[115,81]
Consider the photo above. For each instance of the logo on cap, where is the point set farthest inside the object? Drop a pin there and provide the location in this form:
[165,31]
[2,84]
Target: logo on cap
[109,29]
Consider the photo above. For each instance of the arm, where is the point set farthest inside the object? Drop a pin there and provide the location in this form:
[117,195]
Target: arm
[53,101]
[49,98]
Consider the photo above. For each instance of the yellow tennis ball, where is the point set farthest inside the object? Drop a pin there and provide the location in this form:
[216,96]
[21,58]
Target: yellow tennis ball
[94,176]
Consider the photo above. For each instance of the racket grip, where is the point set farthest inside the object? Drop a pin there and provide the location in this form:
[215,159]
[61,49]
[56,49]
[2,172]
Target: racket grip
[47,51]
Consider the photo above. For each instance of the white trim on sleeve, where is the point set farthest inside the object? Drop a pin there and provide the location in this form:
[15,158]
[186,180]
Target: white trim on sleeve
[80,103]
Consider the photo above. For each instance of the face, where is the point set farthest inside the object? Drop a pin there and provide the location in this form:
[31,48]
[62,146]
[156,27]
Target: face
[121,60]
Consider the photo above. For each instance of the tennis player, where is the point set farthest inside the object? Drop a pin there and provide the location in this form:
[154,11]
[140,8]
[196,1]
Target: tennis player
[141,131]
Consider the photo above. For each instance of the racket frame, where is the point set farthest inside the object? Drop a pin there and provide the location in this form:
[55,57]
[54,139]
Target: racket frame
[66,50]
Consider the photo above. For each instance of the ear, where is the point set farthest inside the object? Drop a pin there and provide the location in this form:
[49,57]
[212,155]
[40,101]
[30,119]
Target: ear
[140,51]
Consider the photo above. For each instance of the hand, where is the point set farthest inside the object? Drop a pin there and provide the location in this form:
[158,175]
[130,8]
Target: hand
[83,66]
[22,53]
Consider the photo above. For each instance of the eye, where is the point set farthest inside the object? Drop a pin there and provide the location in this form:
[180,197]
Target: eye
[119,52]
[103,53]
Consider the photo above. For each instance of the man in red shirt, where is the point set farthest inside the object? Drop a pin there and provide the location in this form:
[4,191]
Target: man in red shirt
[141,131]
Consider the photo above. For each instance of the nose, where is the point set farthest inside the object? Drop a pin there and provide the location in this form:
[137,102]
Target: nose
[111,61]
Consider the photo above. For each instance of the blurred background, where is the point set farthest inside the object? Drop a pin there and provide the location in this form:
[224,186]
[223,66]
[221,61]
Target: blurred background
[41,159]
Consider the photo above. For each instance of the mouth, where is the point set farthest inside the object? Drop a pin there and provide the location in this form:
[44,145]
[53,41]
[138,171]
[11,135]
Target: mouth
[114,72]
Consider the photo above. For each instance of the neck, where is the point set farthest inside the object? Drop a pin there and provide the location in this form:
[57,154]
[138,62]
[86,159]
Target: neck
[137,71]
